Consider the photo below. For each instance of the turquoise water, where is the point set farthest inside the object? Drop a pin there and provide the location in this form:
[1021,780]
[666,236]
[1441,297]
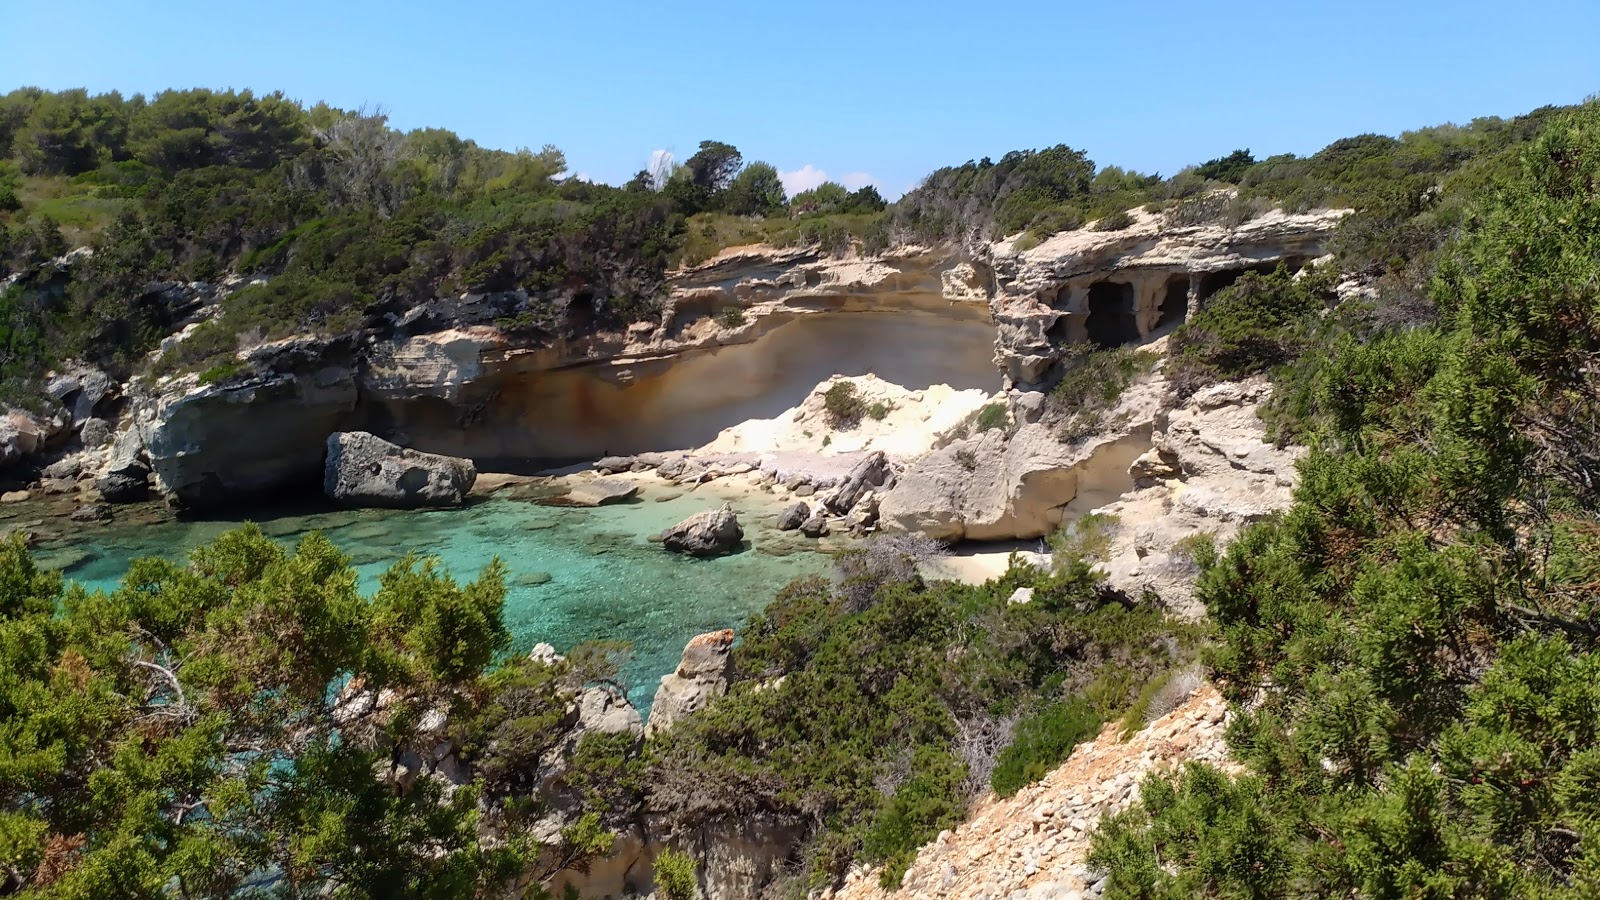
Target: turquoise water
[574,574]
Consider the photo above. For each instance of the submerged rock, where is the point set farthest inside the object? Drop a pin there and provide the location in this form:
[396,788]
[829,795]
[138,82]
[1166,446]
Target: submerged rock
[702,674]
[709,533]
[93,512]
[365,470]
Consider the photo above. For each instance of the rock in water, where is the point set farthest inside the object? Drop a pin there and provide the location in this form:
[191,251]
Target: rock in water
[794,516]
[602,491]
[365,470]
[709,533]
[93,512]
[702,674]
[815,527]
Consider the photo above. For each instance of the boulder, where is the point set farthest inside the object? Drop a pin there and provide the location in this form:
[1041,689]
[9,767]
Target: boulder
[794,516]
[815,527]
[702,674]
[81,390]
[871,472]
[125,478]
[365,470]
[94,433]
[999,485]
[672,468]
[15,497]
[865,516]
[602,491]
[709,533]
[21,435]
[65,467]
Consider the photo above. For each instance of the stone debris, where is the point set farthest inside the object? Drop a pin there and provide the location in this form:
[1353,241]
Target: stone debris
[1033,846]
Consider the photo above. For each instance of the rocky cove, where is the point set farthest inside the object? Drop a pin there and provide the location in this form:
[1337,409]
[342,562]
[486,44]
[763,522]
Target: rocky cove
[722,399]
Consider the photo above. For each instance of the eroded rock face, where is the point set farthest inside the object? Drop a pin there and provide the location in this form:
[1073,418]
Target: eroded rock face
[710,533]
[1209,472]
[997,485]
[365,470]
[702,674]
[210,444]
[1124,286]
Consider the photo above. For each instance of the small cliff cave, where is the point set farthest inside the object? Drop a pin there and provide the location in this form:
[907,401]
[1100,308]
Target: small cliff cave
[1174,303]
[1111,321]
[1212,282]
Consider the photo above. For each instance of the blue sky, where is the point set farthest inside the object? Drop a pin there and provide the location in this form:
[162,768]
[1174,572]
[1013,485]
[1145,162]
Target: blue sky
[864,91]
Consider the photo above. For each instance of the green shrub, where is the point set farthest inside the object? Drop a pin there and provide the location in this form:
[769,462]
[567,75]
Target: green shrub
[675,875]
[222,371]
[994,415]
[1120,220]
[843,404]
[878,411]
[1093,384]
[1042,740]
[1085,539]
[1255,325]
[730,317]
[852,696]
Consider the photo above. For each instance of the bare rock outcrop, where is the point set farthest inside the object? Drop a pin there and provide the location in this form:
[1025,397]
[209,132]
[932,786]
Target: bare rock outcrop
[366,470]
[710,533]
[1209,472]
[1033,846]
[1000,485]
[872,471]
[702,674]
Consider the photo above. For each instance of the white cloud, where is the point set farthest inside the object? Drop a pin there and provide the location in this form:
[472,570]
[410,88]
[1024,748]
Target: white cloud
[803,179]
[657,157]
[855,181]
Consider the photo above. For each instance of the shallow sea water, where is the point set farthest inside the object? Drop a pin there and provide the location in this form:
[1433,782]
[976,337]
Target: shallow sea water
[573,574]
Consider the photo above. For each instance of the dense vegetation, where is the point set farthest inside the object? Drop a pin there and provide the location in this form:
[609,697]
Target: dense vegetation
[354,223]
[232,727]
[352,220]
[870,710]
[242,725]
[1417,636]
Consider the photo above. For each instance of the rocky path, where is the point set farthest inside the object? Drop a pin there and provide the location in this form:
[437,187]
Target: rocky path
[1032,846]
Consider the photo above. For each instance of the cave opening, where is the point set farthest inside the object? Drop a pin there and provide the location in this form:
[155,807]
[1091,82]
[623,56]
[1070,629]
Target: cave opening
[1111,321]
[1174,302]
[1212,282]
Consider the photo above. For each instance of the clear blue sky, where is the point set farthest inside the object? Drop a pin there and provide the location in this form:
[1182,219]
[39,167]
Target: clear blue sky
[889,89]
